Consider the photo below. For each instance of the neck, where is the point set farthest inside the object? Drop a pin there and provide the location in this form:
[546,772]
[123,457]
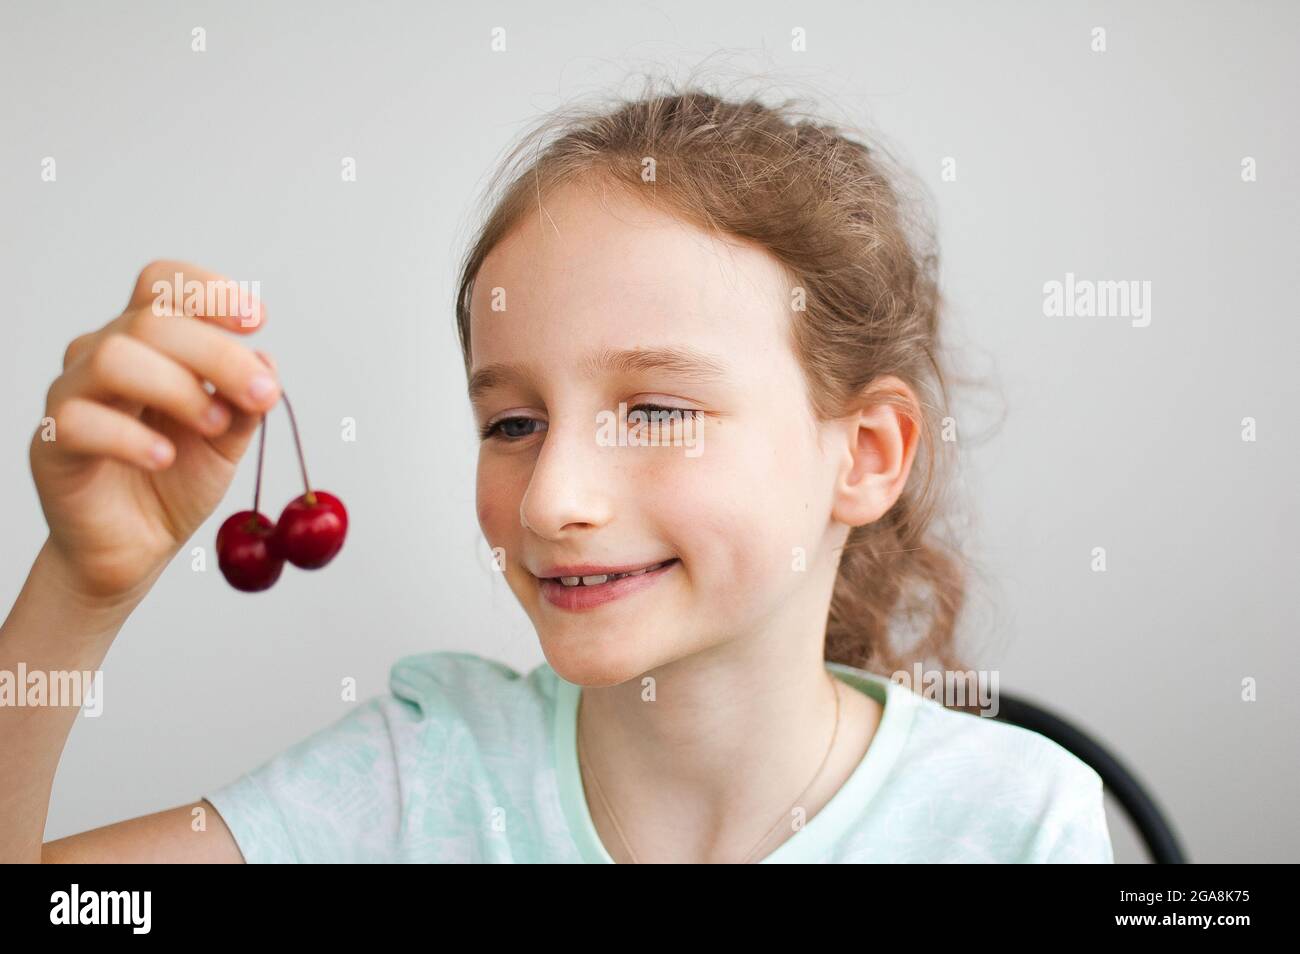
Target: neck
[719,752]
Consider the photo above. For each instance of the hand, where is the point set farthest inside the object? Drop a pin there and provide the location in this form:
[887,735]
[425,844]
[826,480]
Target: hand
[141,452]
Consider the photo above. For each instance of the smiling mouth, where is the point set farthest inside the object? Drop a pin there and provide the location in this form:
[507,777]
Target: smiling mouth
[575,582]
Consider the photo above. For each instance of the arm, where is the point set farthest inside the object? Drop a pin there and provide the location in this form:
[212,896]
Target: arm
[53,628]
[131,456]
[166,837]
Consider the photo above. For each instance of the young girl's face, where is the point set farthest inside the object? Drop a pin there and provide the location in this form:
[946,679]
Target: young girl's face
[746,513]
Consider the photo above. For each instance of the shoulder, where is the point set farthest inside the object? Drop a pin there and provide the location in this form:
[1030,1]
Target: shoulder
[1001,750]
[464,687]
[433,680]
[1028,796]
[401,771]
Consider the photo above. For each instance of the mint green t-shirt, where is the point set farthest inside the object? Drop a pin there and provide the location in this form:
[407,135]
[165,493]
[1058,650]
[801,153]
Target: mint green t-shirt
[470,761]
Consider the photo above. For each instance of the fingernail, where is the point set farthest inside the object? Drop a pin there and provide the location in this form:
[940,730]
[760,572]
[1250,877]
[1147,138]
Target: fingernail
[160,452]
[261,388]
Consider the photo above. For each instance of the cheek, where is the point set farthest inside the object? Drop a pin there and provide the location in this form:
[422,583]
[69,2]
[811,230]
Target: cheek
[736,517]
[494,501]
[485,515]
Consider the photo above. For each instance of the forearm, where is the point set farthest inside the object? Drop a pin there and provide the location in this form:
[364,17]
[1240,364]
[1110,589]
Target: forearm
[51,629]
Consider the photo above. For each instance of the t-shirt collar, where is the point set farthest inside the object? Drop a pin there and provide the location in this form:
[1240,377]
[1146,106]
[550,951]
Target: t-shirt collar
[819,835]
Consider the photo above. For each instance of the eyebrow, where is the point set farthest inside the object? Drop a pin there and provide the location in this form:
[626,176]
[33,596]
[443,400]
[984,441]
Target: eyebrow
[681,362]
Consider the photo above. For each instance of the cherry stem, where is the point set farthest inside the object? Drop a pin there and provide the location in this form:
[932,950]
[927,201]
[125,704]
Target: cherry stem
[308,496]
[257,486]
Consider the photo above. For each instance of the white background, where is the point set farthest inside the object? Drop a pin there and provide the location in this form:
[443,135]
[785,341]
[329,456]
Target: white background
[1122,165]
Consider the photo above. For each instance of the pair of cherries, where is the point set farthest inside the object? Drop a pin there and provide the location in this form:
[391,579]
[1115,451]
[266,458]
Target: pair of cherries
[252,551]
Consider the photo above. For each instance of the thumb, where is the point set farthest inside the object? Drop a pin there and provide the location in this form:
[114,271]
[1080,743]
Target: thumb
[235,439]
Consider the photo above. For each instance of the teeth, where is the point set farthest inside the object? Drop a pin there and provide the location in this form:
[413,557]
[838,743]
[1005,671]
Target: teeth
[605,577]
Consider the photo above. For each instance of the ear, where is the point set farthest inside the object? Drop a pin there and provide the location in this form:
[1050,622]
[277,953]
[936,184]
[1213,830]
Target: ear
[879,444]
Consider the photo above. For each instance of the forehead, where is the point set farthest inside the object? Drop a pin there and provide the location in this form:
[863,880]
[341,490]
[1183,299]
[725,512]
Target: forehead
[594,269]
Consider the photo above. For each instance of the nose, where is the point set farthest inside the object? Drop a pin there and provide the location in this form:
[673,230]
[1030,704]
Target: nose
[573,483]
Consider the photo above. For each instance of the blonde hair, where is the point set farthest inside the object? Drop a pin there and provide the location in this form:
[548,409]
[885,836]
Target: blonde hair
[826,208]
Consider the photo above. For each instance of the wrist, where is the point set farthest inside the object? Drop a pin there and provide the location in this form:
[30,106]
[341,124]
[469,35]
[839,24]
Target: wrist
[55,576]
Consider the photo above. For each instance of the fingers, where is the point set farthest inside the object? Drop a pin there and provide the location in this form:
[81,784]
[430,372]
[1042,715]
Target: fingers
[76,348]
[153,355]
[124,368]
[234,370]
[86,428]
[179,288]
[170,288]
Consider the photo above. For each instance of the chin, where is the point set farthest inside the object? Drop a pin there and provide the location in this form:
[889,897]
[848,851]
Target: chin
[587,660]
[589,655]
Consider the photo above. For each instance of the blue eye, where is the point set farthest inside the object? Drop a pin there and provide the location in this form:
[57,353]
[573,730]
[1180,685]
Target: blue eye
[501,428]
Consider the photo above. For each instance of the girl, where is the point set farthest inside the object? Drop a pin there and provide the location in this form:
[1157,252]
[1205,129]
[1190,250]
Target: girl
[715,582]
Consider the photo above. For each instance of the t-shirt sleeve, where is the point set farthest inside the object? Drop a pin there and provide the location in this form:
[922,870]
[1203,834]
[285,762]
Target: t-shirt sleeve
[1075,830]
[333,797]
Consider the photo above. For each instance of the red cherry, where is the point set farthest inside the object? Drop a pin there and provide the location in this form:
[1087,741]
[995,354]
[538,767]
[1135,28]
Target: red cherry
[252,550]
[244,552]
[311,530]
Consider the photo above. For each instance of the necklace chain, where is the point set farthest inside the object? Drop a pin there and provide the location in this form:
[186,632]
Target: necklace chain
[613,816]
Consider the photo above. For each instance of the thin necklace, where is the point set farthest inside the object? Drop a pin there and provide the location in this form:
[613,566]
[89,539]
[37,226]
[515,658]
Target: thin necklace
[613,817]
